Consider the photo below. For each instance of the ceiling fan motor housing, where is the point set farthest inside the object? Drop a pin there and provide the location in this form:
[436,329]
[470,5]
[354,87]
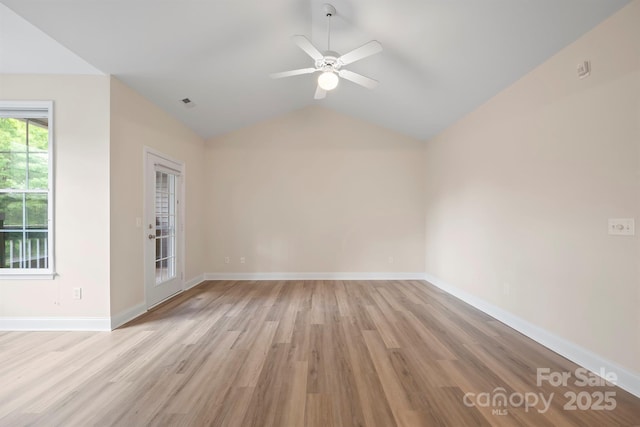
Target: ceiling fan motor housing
[329,61]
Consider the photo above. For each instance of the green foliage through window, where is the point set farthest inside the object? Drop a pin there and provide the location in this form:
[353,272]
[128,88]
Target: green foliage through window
[24,192]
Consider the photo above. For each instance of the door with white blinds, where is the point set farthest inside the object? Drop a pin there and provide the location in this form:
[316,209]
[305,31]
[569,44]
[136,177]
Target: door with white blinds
[163,237]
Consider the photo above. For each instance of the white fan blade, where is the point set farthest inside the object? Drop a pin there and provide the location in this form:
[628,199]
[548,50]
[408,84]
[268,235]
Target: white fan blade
[292,73]
[304,44]
[359,79]
[363,51]
[320,93]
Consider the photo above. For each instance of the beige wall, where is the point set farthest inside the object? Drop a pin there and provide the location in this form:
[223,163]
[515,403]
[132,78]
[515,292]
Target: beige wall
[513,200]
[135,123]
[519,192]
[81,132]
[315,191]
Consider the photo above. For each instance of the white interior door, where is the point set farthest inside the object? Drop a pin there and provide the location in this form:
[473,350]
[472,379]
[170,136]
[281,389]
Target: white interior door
[163,229]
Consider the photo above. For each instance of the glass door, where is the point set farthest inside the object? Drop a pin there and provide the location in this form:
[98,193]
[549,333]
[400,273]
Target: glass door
[163,263]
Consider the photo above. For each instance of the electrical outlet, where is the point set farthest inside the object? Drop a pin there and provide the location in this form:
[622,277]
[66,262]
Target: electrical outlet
[77,293]
[242,260]
[584,69]
[391,260]
[227,260]
[506,288]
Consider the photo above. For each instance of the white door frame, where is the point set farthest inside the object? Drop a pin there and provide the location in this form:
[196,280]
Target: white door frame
[180,244]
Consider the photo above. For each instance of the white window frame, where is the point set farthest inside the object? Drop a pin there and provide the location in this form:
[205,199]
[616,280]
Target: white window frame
[35,109]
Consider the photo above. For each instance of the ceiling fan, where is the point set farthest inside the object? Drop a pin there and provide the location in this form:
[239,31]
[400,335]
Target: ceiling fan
[330,63]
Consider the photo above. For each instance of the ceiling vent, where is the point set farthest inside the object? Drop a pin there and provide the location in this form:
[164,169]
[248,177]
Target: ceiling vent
[187,103]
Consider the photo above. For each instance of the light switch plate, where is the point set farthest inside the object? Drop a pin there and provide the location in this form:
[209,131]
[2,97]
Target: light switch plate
[622,226]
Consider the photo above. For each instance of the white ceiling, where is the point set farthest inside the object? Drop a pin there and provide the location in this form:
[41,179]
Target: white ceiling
[19,40]
[441,58]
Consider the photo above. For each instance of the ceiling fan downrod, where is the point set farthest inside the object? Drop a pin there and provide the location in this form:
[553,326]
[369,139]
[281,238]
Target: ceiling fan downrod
[329,11]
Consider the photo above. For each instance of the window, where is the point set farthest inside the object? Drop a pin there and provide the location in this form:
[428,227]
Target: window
[26,196]
[165,224]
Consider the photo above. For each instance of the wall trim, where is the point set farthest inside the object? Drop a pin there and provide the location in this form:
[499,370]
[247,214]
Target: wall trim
[314,276]
[627,379]
[192,283]
[55,324]
[128,315]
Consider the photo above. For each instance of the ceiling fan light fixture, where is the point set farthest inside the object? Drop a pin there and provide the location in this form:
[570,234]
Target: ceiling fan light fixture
[329,64]
[328,80]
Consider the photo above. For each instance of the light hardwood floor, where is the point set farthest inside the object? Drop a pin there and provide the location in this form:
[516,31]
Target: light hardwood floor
[313,353]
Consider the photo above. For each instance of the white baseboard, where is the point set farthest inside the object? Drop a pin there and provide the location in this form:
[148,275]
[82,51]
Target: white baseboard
[55,324]
[627,380]
[193,282]
[127,315]
[314,276]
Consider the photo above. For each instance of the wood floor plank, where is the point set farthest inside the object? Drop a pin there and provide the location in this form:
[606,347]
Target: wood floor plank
[319,412]
[339,372]
[233,411]
[393,390]
[342,298]
[370,393]
[385,328]
[295,398]
[257,355]
[213,361]
[287,319]
[262,410]
[425,334]
[292,353]
[316,380]
[394,301]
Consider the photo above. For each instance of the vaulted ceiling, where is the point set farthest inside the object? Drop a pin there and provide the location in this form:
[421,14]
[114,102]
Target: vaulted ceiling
[441,58]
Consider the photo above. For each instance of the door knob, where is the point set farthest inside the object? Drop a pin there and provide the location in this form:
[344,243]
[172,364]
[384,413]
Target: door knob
[152,236]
